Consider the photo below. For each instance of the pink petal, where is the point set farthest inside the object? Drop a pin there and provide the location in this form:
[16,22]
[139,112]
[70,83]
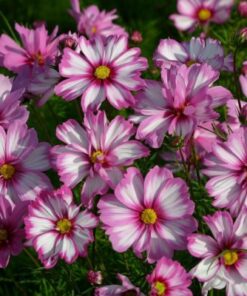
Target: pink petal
[118,96]
[72,88]
[38,159]
[93,186]
[202,246]
[73,64]
[206,269]
[130,190]
[118,131]
[182,22]
[154,181]
[124,154]
[71,133]
[93,96]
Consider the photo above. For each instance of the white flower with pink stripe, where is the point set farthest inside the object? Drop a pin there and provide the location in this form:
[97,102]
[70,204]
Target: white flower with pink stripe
[57,227]
[103,69]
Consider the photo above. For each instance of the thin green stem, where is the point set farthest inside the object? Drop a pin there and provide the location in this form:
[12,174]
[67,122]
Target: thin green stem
[12,33]
[36,263]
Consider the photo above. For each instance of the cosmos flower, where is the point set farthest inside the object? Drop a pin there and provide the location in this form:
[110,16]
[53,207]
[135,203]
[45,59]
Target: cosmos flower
[200,12]
[223,255]
[243,79]
[226,168]
[10,108]
[232,289]
[94,277]
[184,100]
[169,278]
[127,288]
[152,215]
[22,162]
[11,234]
[33,60]
[197,50]
[242,8]
[103,70]
[92,22]
[136,37]
[38,49]
[57,227]
[95,153]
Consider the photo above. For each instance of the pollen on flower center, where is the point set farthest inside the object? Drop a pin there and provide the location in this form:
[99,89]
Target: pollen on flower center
[149,216]
[204,14]
[102,72]
[190,63]
[7,171]
[40,59]
[160,288]
[97,156]
[3,235]
[230,257]
[64,226]
[94,29]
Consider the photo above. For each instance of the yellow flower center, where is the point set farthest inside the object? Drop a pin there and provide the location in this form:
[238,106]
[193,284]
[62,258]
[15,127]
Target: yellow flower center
[94,29]
[3,235]
[97,156]
[40,59]
[204,14]
[7,171]
[230,257]
[190,63]
[160,288]
[102,72]
[64,226]
[149,216]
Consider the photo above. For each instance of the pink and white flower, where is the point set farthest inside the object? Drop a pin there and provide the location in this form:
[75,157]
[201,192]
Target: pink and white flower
[33,59]
[95,153]
[226,168]
[38,49]
[219,284]
[242,8]
[57,228]
[95,277]
[169,278]
[127,288]
[104,69]
[11,234]
[243,79]
[92,22]
[136,37]
[192,13]
[10,108]
[152,215]
[184,100]
[197,50]
[22,162]
[223,255]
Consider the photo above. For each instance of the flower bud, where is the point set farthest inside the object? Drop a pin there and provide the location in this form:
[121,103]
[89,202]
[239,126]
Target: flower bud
[94,277]
[242,8]
[136,37]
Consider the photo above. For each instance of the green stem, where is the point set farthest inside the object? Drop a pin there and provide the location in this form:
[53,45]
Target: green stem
[5,20]
[235,72]
[36,263]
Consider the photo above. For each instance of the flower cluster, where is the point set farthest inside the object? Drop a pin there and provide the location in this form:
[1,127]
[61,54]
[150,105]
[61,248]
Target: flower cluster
[148,163]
